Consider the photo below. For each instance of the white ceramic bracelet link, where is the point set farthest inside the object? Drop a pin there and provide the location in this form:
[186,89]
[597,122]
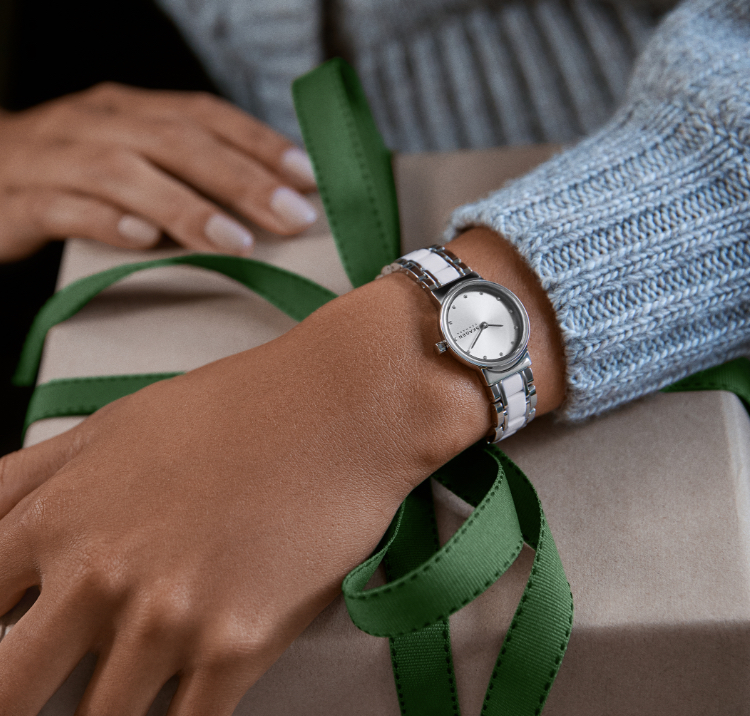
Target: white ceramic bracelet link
[507,378]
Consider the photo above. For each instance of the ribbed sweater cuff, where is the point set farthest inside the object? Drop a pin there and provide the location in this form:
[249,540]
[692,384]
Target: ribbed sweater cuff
[639,237]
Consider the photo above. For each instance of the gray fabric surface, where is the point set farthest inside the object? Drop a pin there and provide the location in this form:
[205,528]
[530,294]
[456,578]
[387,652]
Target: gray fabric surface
[441,74]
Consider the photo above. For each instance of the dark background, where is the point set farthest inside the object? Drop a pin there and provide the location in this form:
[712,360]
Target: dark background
[49,48]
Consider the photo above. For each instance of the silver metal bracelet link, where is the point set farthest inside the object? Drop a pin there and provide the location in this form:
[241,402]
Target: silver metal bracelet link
[512,393]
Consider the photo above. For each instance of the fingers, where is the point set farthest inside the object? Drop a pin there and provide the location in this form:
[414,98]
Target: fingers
[17,570]
[33,216]
[231,657]
[39,653]
[23,471]
[231,178]
[215,692]
[202,160]
[121,178]
[254,137]
[127,679]
[121,165]
[220,118]
[197,136]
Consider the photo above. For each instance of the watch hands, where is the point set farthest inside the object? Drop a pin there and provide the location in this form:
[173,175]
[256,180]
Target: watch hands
[482,326]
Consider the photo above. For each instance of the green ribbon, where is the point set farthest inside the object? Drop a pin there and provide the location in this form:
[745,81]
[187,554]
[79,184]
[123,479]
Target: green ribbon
[412,610]
[422,661]
[296,295]
[63,397]
[426,582]
[733,376]
[352,167]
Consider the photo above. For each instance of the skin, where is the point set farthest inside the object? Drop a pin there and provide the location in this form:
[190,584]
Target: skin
[77,165]
[199,525]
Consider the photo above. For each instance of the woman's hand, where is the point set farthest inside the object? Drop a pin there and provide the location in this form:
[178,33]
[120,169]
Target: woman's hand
[122,165]
[197,526]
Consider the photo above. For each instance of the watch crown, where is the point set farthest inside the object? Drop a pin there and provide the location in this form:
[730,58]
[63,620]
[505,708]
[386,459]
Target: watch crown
[441,347]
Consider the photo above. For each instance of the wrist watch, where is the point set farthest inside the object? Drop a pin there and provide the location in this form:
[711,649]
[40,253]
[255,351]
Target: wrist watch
[484,326]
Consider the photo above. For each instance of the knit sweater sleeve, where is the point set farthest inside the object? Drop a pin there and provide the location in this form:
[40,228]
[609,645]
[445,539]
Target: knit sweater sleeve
[640,234]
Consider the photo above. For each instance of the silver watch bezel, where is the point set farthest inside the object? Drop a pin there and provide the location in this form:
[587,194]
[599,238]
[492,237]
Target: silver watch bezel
[496,365]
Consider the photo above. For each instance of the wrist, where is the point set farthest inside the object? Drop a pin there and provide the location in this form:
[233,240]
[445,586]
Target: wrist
[363,371]
[414,409]
[408,409]
[497,260]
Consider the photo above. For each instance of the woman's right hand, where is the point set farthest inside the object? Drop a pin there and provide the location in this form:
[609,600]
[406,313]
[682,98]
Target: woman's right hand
[122,165]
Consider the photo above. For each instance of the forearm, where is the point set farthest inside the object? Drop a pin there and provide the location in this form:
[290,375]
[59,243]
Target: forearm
[372,375]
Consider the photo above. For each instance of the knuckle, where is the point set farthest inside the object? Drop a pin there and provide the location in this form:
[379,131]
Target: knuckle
[109,165]
[239,197]
[44,210]
[176,131]
[187,218]
[54,121]
[36,513]
[9,467]
[249,186]
[234,647]
[163,616]
[106,90]
[98,574]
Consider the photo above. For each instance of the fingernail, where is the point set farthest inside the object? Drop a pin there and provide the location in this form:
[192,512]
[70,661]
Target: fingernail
[293,208]
[138,231]
[297,163]
[228,235]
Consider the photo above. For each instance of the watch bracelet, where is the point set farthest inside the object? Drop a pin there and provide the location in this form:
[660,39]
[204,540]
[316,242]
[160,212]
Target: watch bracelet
[505,389]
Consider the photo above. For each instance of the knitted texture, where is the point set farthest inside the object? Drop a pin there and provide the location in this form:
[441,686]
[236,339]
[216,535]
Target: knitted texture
[439,74]
[640,234]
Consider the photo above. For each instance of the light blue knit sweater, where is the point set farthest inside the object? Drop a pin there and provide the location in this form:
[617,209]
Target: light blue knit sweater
[640,234]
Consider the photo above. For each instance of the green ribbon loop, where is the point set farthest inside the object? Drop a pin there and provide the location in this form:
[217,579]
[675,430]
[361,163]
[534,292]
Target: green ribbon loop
[352,166]
[296,295]
[423,660]
[472,560]
[507,512]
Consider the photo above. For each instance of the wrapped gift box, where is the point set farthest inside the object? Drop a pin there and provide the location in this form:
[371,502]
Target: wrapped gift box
[649,506]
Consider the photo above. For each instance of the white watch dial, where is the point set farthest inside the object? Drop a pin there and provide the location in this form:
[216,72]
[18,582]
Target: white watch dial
[483,323]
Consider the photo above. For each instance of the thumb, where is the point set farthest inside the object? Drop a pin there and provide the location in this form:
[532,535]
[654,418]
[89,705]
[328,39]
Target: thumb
[23,471]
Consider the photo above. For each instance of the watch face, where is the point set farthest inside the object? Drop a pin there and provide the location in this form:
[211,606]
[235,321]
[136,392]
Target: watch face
[485,324]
